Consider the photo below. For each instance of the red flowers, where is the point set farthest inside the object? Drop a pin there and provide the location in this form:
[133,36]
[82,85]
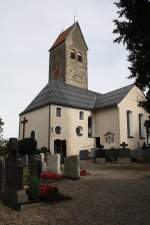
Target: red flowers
[83,172]
[50,176]
[46,189]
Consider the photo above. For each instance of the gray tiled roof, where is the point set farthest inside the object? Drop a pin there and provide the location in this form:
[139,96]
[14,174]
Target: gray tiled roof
[59,93]
[112,98]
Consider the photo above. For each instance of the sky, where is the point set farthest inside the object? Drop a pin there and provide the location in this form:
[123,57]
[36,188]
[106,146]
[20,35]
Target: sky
[28,28]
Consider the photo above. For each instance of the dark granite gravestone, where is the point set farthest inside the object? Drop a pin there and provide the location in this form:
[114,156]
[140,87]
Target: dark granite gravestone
[84,154]
[14,192]
[12,145]
[27,146]
[14,174]
[140,155]
[146,154]
[111,155]
[124,152]
[98,153]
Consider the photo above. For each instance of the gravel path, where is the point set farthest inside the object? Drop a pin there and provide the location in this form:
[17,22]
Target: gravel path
[113,194]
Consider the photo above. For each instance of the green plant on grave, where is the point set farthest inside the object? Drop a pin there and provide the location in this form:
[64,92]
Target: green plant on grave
[34,188]
[26,176]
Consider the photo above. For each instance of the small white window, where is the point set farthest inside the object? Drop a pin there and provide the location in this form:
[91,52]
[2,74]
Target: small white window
[58,112]
[81,115]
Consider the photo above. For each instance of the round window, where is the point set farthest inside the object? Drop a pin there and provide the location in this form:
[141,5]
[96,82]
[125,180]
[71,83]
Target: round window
[58,130]
[79,131]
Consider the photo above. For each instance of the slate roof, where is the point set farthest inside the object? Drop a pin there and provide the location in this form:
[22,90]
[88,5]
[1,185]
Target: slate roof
[112,98]
[59,93]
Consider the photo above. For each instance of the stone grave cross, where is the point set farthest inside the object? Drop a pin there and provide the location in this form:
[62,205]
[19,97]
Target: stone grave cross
[123,145]
[24,124]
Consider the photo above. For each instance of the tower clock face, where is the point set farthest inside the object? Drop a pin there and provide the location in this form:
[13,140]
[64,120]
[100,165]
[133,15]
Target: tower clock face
[56,72]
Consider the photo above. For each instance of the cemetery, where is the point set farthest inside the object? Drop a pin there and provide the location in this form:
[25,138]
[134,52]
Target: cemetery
[21,178]
[123,154]
[29,175]
[107,185]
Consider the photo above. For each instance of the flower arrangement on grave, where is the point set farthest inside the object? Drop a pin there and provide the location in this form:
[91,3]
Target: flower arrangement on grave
[46,189]
[83,172]
[50,176]
[50,193]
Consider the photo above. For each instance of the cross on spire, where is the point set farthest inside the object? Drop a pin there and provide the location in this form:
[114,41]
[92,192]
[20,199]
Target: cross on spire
[24,121]
[74,18]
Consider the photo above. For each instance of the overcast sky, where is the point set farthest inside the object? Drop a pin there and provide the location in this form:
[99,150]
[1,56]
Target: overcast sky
[27,30]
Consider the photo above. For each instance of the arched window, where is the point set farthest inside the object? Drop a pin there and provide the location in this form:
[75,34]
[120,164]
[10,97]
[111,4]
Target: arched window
[73,54]
[79,57]
[90,126]
[33,134]
[58,130]
[141,125]
[129,124]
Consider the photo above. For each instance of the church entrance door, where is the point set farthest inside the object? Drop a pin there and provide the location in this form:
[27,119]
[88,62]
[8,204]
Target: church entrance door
[60,148]
[97,142]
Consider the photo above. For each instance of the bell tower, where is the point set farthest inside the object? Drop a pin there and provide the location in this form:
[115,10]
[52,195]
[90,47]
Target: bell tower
[68,58]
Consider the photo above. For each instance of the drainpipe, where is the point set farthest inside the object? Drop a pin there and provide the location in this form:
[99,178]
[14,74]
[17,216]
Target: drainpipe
[49,125]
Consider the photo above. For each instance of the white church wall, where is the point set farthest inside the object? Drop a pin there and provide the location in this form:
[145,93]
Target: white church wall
[130,102]
[107,120]
[37,121]
[69,121]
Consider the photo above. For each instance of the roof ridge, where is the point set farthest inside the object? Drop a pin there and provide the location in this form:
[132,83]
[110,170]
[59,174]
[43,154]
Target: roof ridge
[62,37]
[118,89]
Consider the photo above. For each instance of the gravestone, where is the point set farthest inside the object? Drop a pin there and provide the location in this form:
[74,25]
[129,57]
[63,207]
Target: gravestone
[124,160]
[123,145]
[133,155]
[43,163]
[14,192]
[35,166]
[84,154]
[146,154]
[27,146]
[2,175]
[98,153]
[72,167]
[111,155]
[12,145]
[124,155]
[53,163]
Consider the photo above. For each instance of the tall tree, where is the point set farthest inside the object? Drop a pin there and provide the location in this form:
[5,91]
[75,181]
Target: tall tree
[133,29]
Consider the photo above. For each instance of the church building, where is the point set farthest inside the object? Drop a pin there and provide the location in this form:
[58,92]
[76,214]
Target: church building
[67,117]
